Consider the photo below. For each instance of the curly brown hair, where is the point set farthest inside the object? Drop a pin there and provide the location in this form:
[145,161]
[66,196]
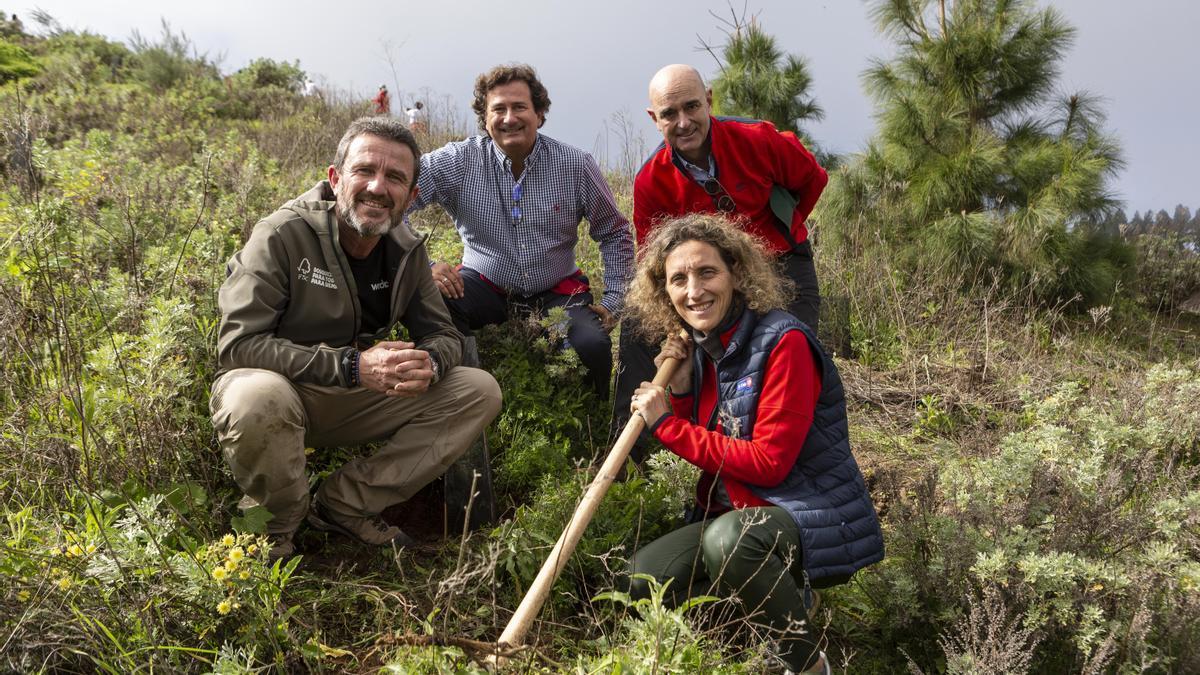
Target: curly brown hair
[501,75]
[756,277]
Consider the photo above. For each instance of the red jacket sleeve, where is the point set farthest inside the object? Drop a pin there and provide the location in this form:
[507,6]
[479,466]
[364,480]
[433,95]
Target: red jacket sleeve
[646,211]
[681,406]
[785,410]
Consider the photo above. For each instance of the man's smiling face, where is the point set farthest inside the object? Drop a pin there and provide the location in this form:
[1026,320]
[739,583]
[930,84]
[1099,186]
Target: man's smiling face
[374,185]
[512,121]
[680,107]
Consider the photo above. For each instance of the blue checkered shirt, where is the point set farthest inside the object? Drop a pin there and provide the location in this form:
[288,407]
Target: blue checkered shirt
[560,186]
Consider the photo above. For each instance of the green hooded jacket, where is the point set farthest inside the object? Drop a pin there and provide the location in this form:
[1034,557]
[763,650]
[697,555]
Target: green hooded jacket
[289,303]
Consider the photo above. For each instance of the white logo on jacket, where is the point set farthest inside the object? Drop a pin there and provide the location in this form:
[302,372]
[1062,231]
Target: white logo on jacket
[315,275]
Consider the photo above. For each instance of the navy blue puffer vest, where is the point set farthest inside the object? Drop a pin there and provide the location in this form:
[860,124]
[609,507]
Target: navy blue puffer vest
[824,491]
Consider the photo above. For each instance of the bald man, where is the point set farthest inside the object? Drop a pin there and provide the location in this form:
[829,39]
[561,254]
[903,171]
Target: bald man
[764,180]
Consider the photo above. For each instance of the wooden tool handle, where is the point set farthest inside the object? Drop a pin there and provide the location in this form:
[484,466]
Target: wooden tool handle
[535,597]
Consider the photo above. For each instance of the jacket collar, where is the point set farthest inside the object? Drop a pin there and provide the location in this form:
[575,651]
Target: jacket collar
[736,333]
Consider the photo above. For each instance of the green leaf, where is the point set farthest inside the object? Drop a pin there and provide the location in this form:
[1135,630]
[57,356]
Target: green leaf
[253,520]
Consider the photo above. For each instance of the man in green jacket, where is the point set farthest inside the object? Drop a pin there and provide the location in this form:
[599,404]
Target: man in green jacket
[305,357]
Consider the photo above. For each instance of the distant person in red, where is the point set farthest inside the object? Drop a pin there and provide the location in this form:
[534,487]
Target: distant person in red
[383,104]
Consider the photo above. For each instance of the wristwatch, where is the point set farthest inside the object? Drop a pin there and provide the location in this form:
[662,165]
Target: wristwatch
[433,365]
[350,366]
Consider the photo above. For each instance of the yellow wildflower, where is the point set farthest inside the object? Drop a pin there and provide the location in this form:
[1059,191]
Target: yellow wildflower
[244,575]
[23,596]
[74,551]
[64,583]
[252,549]
[228,540]
[220,573]
[91,548]
[236,554]
[224,607]
[230,565]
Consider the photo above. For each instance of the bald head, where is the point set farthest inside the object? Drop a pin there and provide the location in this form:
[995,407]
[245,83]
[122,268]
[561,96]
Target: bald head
[681,106]
[673,77]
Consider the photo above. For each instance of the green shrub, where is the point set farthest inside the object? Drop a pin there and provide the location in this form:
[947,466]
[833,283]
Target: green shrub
[124,584]
[268,73]
[15,63]
[653,638]
[1168,274]
[168,62]
[1083,525]
[550,418]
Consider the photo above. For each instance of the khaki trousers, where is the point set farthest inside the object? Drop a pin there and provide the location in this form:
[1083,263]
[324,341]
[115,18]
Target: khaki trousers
[264,422]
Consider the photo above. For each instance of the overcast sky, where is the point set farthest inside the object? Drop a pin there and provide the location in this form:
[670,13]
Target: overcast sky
[596,58]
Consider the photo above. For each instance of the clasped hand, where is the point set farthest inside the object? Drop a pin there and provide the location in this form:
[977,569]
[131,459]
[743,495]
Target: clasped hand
[395,369]
[650,400]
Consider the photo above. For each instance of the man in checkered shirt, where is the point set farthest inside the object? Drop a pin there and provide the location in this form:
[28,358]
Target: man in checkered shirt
[517,198]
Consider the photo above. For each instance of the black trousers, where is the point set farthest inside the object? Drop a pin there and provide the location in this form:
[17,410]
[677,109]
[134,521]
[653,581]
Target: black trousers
[481,305]
[636,358]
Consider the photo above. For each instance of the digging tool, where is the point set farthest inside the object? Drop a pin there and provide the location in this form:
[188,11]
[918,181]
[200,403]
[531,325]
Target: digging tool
[535,597]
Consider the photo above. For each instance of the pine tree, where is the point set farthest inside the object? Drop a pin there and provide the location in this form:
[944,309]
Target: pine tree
[1162,222]
[1115,223]
[757,80]
[977,163]
[1181,219]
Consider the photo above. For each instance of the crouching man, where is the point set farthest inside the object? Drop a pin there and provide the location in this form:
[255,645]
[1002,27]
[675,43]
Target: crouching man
[304,358]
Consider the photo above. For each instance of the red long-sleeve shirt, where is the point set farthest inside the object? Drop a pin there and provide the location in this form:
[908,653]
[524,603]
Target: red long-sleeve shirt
[791,385]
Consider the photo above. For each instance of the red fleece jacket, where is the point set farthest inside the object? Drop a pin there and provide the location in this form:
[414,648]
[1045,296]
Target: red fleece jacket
[751,158]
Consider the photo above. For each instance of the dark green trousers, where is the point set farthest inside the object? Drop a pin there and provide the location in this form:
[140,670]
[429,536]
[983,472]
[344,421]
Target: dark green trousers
[751,554]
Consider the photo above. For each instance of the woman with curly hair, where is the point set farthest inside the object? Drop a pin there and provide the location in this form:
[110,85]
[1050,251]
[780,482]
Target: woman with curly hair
[758,406]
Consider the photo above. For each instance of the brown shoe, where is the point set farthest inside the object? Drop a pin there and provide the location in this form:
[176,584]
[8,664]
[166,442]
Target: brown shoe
[369,530]
[282,547]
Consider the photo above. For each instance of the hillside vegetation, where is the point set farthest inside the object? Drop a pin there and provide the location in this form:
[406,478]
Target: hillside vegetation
[1028,417]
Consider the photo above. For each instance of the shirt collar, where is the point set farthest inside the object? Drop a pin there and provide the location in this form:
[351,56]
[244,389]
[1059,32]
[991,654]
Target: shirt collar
[697,174]
[506,163]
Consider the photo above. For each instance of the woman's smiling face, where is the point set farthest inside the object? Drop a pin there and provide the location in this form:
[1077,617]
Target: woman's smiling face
[699,284]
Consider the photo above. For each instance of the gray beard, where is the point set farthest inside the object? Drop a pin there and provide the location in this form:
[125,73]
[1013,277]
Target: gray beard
[346,211]
[350,217]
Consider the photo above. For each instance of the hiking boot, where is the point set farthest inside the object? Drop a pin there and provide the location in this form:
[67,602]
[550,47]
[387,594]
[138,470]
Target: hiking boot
[281,546]
[369,530]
